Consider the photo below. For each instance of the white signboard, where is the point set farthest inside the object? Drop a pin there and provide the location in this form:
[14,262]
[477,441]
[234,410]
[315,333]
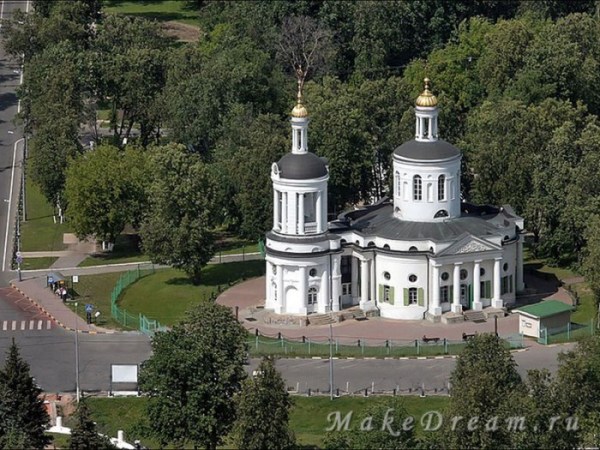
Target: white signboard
[75,278]
[124,373]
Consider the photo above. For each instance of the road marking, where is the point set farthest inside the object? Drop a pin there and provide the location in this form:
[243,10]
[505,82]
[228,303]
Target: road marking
[1,13]
[22,325]
[14,325]
[40,324]
[31,322]
[48,324]
[4,325]
[8,215]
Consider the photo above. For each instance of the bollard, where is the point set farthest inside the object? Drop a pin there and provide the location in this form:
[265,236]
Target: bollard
[394,392]
[279,335]
[445,346]
[359,342]
[366,392]
[120,436]
[237,312]
[337,392]
[308,392]
[256,332]
[304,339]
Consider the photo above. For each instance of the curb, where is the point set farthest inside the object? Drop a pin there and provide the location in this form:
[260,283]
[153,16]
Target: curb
[54,319]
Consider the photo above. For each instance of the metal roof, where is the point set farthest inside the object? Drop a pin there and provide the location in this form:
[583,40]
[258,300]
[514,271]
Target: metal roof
[546,308]
[427,150]
[302,166]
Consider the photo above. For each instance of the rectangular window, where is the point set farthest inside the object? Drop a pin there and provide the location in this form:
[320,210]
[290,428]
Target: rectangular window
[386,294]
[347,289]
[504,286]
[412,296]
[444,294]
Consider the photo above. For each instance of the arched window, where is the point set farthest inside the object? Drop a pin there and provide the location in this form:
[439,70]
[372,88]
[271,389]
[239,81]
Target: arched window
[441,187]
[441,213]
[417,188]
[397,184]
[312,295]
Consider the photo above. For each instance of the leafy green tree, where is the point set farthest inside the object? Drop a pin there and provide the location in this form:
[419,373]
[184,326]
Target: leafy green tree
[263,411]
[105,189]
[591,260]
[177,226]
[194,372]
[84,435]
[482,381]
[23,416]
[383,425]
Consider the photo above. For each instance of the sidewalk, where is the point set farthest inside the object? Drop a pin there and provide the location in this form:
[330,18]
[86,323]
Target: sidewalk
[36,291]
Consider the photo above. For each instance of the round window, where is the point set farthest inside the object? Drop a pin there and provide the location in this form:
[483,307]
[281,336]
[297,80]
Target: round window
[463,274]
[412,278]
[505,267]
[313,272]
[386,275]
[481,272]
[445,276]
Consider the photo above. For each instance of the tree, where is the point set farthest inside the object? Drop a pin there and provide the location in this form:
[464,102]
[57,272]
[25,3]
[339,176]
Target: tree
[194,372]
[591,260]
[263,411]
[177,226]
[84,435]
[23,416]
[380,426]
[484,378]
[105,189]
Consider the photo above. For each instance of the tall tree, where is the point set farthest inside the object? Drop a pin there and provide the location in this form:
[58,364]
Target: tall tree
[177,226]
[591,260]
[263,411]
[192,376]
[483,379]
[84,435]
[23,416]
[105,189]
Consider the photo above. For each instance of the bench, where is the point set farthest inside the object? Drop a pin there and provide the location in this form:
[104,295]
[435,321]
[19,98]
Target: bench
[430,339]
[466,336]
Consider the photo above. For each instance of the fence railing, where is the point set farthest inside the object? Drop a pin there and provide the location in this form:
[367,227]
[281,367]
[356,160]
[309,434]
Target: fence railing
[569,332]
[131,320]
[261,345]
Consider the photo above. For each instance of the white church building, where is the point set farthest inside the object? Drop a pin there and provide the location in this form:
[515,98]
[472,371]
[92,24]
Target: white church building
[417,255]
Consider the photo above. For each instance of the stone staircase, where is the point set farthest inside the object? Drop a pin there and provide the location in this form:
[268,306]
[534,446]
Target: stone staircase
[475,316]
[320,319]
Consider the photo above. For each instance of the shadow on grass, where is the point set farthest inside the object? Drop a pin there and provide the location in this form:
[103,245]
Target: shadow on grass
[225,273]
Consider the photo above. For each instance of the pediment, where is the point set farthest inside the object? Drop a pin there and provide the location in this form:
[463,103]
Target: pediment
[469,244]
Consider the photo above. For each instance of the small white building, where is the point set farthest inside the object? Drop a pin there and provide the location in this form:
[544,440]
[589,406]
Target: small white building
[416,255]
[549,315]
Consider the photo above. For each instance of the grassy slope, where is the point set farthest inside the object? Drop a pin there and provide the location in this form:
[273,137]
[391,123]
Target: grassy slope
[166,295]
[37,263]
[162,11]
[39,232]
[308,417]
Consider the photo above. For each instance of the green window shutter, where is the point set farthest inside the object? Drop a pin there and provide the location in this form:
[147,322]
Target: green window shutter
[381,293]
[451,293]
[488,289]
[510,283]
[391,295]
[420,297]
[405,296]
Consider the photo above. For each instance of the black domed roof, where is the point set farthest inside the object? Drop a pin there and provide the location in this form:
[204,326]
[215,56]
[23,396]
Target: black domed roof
[427,150]
[302,166]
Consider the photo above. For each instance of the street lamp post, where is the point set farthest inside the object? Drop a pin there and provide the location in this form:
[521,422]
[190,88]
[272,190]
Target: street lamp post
[77,355]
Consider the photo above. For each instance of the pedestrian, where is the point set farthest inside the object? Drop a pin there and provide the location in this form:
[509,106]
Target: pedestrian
[63,294]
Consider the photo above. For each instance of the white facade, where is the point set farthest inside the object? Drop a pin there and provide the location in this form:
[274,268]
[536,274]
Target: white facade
[418,255]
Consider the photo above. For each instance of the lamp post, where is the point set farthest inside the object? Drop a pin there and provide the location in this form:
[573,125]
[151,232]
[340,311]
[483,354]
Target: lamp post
[77,355]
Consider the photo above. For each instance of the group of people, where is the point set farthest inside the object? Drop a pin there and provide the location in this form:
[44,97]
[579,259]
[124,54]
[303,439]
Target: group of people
[60,290]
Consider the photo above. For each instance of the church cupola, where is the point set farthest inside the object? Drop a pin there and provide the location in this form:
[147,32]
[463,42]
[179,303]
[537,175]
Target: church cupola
[426,113]
[300,183]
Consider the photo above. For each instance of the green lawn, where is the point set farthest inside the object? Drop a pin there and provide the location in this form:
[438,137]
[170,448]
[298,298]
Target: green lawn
[586,309]
[59,440]
[167,294]
[39,232]
[308,417]
[163,11]
[37,263]
[126,250]
[96,289]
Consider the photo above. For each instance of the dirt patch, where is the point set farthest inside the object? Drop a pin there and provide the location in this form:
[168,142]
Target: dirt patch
[181,31]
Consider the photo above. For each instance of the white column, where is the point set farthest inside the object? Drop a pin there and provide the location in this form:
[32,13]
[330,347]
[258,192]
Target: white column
[292,212]
[281,305]
[364,281]
[430,128]
[303,291]
[300,213]
[456,306]
[354,283]
[477,306]
[319,212]
[372,279]
[336,280]
[323,305]
[497,300]
[435,308]
[284,214]
[520,284]
[275,209]
[268,289]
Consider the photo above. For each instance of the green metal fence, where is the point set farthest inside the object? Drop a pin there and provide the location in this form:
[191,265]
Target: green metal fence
[282,346]
[136,321]
[569,332]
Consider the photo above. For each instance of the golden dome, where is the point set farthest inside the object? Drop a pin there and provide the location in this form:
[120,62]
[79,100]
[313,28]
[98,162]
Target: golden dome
[426,99]
[299,110]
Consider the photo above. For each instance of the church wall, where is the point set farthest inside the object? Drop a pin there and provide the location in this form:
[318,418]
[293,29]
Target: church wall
[509,257]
